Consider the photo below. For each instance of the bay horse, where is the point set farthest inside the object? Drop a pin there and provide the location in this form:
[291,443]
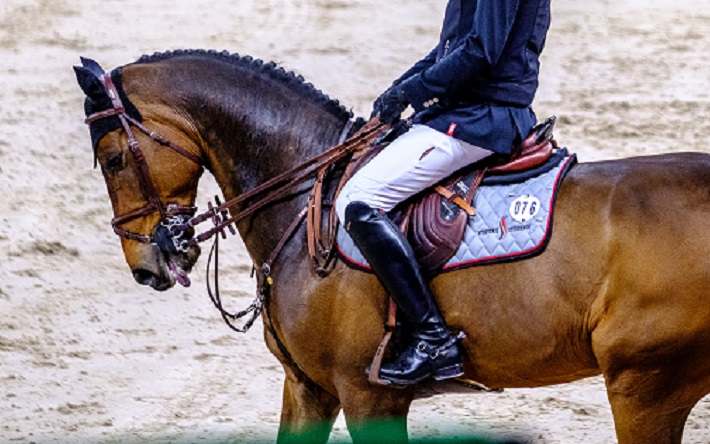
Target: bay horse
[621,289]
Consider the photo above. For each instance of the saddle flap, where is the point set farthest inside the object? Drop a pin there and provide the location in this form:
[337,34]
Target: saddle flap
[434,239]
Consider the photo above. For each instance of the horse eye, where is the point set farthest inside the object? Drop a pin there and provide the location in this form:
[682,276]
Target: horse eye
[114,164]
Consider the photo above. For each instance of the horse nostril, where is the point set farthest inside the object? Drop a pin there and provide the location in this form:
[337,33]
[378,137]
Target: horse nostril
[147,277]
[143,276]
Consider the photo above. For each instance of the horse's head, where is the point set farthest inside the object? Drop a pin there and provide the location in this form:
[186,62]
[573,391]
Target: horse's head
[151,161]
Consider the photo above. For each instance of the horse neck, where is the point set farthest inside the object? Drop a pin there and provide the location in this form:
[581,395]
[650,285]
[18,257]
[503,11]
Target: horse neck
[254,144]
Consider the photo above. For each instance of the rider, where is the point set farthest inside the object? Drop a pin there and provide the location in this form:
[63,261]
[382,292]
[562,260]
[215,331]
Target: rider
[472,97]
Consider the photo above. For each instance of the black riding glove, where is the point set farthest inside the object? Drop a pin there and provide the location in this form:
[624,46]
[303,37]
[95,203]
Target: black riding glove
[390,105]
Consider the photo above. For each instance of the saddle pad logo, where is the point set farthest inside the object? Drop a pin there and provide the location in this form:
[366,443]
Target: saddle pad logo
[524,208]
[503,228]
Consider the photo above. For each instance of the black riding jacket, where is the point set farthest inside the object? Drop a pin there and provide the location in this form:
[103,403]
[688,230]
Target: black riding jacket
[483,74]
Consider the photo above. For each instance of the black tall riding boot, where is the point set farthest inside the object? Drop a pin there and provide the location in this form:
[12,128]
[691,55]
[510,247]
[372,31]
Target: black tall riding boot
[434,351]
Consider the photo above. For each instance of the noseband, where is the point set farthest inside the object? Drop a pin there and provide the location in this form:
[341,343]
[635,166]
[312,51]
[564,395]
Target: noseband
[171,214]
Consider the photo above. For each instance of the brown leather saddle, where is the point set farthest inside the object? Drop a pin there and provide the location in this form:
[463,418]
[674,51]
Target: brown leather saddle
[433,237]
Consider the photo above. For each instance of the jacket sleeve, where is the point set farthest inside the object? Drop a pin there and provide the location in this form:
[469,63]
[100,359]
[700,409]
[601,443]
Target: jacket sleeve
[479,53]
[418,67]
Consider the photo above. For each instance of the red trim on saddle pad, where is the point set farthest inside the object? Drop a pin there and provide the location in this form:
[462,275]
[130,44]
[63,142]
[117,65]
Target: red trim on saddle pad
[518,255]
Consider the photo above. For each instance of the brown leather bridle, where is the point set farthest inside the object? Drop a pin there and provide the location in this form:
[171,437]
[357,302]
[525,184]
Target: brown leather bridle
[174,231]
[171,214]
[177,222]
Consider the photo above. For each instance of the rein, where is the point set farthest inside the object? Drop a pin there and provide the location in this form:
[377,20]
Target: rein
[317,165]
[277,188]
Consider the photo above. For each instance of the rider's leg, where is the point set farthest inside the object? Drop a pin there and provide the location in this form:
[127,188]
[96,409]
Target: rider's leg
[418,159]
[392,259]
[415,161]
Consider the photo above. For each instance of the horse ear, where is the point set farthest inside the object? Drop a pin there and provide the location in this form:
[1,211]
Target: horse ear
[92,66]
[89,83]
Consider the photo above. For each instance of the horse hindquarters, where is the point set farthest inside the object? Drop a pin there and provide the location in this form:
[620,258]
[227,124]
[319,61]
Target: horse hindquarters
[651,324]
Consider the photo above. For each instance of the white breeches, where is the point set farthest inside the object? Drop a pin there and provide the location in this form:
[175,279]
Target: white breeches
[416,160]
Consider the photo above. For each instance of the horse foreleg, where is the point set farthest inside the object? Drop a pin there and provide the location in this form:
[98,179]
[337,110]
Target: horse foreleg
[648,407]
[308,411]
[375,414]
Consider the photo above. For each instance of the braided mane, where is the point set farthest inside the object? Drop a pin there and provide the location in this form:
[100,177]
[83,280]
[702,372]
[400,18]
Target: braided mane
[294,81]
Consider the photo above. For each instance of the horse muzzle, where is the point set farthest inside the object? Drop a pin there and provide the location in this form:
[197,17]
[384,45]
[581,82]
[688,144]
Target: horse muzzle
[170,256]
[173,235]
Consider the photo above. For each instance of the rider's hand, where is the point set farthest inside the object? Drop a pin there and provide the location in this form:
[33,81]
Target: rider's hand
[390,105]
